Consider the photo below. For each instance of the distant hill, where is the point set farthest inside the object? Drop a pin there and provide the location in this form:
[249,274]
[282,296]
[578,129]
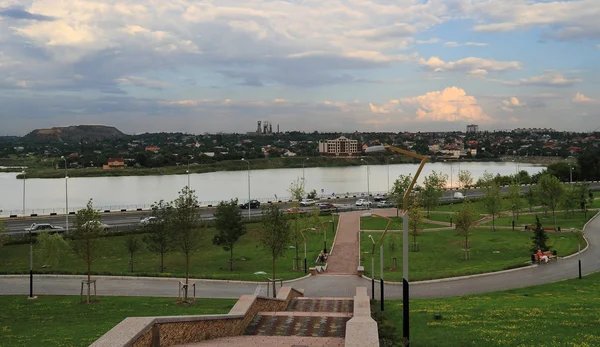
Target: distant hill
[74,133]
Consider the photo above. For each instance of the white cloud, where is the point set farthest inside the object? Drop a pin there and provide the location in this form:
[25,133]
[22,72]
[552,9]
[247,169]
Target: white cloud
[547,79]
[432,40]
[450,105]
[471,65]
[456,44]
[511,104]
[388,107]
[141,82]
[580,98]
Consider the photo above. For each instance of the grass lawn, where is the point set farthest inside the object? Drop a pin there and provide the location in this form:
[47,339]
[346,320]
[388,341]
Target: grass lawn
[208,262]
[564,220]
[441,253]
[376,223]
[566,313]
[63,321]
[445,217]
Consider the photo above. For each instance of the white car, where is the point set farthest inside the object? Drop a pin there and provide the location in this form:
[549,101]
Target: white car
[147,220]
[459,195]
[307,202]
[363,202]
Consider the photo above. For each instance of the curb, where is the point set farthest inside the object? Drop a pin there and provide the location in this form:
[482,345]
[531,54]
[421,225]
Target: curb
[197,280]
[586,240]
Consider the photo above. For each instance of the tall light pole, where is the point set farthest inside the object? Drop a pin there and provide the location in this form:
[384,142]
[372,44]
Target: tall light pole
[381,286]
[23,172]
[513,215]
[570,174]
[303,180]
[405,287]
[304,237]
[249,205]
[66,196]
[388,174]
[31,265]
[372,269]
[368,187]
[188,170]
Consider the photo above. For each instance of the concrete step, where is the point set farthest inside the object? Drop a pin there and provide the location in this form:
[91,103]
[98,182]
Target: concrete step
[321,305]
[293,325]
[270,341]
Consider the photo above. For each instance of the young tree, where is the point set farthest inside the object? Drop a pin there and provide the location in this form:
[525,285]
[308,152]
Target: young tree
[492,200]
[551,192]
[465,180]
[187,235]
[51,248]
[230,227]
[297,190]
[415,218]
[585,196]
[132,245]
[465,219]
[531,197]
[401,185]
[159,238]
[514,197]
[275,234]
[539,237]
[85,234]
[570,200]
[433,190]
[392,246]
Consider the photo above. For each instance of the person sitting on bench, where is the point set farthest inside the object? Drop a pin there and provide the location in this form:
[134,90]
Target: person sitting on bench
[321,257]
[542,256]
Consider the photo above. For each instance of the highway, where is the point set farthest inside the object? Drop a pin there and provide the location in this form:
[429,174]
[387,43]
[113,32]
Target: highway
[16,226]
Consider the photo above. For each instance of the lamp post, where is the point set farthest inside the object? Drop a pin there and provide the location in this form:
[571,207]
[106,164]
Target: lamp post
[381,286]
[304,237]
[388,174]
[31,265]
[249,205]
[303,179]
[325,234]
[23,172]
[66,196]
[368,187]
[513,216]
[451,181]
[188,170]
[405,287]
[571,175]
[372,269]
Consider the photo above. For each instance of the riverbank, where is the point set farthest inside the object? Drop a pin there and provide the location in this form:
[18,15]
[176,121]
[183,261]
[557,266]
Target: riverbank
[255,164]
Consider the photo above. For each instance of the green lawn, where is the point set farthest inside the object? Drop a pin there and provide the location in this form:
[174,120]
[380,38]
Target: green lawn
[375,223]
[445,217]
[208,262]
[441,253]
[63,321]
[566,313]
[564,220]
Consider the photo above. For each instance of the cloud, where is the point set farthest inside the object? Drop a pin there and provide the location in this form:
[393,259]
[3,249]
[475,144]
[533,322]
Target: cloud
[450,105]
[391,106]
[547,79]
[423,42]
[456,44]
[511,104]
[19,13]
[563,20]
[142,82]
[471,65]
[580,98]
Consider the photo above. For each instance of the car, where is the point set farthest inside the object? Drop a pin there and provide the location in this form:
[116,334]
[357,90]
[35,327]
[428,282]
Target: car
[326,206]
[385,204]
[363,202]
[379,197]
[307,202]
[459,195]
[96,223]
[35,228]
[147,220]
[253,204]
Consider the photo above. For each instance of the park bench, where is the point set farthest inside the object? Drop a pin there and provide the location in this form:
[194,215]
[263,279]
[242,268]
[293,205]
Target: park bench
[533,227]
[551,255]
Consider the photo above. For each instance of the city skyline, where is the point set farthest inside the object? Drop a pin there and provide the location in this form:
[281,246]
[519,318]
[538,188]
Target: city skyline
[331,66]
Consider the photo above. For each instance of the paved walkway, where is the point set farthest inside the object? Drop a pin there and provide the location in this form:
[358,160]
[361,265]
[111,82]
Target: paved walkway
[331,285]
[344,259]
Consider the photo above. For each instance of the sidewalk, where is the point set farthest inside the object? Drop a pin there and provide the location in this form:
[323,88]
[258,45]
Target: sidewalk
[344,259]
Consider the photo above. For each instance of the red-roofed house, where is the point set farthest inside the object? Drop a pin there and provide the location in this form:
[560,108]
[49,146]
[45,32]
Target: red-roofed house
[114,164]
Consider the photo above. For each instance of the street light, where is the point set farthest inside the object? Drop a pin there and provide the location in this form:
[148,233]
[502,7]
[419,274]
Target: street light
[188,170]
[380,252]
[249,205]
[372,269]
[23,172]
[304,237]
[571,175]
[405,287]
[66,196]
[303,162]
[31,265]
[325,234]
[513,215]
[388,174]
[368,188]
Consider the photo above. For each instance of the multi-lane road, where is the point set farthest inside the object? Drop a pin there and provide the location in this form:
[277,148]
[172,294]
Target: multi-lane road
[16,226]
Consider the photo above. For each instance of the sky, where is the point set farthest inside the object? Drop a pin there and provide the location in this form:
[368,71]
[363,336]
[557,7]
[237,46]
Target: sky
[306,65]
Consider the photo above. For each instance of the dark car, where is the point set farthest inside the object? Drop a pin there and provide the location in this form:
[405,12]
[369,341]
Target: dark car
[253,204]
[326,206]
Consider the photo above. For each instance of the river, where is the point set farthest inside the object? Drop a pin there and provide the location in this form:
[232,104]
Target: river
[43,196]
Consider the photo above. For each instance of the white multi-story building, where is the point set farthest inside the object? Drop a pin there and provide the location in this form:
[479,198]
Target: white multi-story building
[341,146]
[472,128]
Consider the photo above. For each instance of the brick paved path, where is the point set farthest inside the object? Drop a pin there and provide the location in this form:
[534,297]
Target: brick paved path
[344,259]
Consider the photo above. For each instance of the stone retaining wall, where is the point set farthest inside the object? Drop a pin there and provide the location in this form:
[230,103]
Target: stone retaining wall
[174,330]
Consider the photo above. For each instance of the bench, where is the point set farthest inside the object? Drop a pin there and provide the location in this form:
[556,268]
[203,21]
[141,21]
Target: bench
[551,255]
[533,227]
